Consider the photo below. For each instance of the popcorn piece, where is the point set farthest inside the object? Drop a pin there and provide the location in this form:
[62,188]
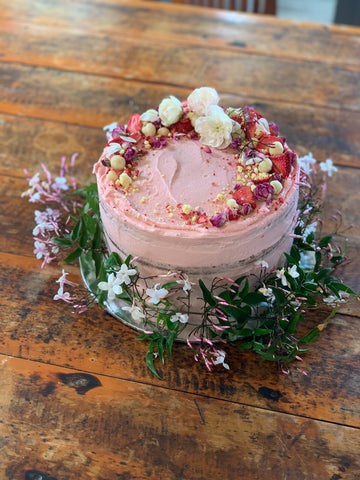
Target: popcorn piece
[186,209]
[125,180]
[112,176]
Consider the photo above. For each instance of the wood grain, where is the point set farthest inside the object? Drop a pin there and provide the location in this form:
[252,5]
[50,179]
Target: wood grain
[78,401]
[52,427]
[94,342]
[186,25]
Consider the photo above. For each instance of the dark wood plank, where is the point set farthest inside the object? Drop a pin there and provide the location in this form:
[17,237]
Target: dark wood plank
[119,429]
[26,142]
[44,330]
[187,25]
[95,101]
[261,76]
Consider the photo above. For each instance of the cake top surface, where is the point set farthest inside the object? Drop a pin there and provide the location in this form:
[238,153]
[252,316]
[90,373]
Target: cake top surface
[195,165]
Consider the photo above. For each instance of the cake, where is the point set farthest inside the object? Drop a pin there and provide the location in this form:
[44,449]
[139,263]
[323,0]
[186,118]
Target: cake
[194,189]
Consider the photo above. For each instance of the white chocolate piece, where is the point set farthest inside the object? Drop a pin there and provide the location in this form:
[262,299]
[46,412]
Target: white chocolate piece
[231,202]
[276,149]
[117,162]
[163,132]
[277,186]
[149,130]
[265,165]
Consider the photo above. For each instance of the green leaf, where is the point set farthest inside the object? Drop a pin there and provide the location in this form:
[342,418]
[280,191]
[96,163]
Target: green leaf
[73,255]
[169,343]
[113,261]
[311,336]
[324,272]
[291,326]
[97,239]
[75,233]
[337,287]
[61,242]
[261,331]
[324,242]
[207,294]
[254,298]
[150,360]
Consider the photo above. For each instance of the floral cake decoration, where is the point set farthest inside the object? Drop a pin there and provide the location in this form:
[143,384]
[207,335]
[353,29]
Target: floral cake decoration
[266,317]
[263,158]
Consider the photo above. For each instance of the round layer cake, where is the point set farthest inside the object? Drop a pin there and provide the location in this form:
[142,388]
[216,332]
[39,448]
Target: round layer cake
[195,188]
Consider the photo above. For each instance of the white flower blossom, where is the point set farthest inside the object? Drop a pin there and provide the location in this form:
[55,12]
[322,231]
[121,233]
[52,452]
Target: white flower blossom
[307,162]
[40,250]
[150,116]
[215,128]
[112,148]
[291,271]
[186,284]
[268,293]
[170,111]
[201,99]
[110,127]
[60,184]
[219,360]
[311,228]
[180,317]
[124,274]
[112,286]
[135,312]
[156,294]
[262,264]
[332,300]
[328,167]
[61,295]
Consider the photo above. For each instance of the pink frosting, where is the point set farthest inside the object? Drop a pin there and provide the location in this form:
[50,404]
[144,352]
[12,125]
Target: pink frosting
[149,223]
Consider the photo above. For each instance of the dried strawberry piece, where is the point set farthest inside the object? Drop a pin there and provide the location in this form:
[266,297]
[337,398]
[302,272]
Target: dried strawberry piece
[183,126]
[232,213]
[134,125]
[282,163]
[266,141]
[245,195]
[262,179]
[202,219]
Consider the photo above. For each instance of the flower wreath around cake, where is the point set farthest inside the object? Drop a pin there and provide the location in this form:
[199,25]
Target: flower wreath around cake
[259,310]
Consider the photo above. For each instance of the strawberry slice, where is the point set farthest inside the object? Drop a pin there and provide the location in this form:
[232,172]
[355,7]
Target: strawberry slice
[134,125]
[261,178]
[266,141]
[282,163]
[245,195]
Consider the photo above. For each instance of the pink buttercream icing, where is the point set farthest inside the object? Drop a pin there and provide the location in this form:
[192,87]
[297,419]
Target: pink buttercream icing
[148,222]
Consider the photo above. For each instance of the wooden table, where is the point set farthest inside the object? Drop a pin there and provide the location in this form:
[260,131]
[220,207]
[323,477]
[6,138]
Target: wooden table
[77,400]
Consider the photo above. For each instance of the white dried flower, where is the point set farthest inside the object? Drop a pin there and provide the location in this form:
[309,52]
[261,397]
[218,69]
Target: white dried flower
[170,111]
[215,129]
[201,99]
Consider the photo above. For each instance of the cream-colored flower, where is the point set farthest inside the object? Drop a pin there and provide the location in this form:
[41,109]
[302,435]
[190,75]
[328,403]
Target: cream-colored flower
[215,129]
[150,116]
[170,111]
[201,99]
[179,317]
